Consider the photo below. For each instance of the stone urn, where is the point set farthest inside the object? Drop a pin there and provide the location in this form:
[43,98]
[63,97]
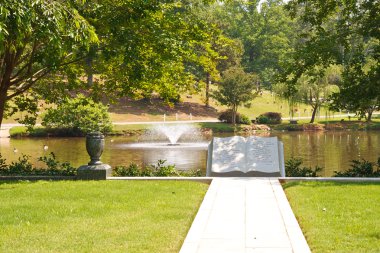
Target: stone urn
[95,170]
[94,147]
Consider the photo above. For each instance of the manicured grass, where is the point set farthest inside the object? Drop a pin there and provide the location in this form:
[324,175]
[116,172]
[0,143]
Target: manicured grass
[97,216]
[17,131]
[337,217]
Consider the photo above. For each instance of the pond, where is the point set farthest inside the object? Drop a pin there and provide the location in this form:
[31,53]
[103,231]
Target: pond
[331,150]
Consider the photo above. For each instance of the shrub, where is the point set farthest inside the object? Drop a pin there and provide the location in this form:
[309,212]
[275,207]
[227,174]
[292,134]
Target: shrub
[160,170]
[23,167]
[262,119]
[154,170]
[133,170]
[361,168]
[226,116]
[78,114]
[269,118]
[293,169]
[56,168]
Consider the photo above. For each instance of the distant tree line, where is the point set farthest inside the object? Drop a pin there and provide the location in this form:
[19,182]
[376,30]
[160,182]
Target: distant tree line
[323,53]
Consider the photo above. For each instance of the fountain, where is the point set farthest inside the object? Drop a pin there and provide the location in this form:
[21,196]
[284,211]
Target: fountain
[174,132]
[170,136]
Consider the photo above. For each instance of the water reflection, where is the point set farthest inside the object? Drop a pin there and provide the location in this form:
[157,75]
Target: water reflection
[331,150]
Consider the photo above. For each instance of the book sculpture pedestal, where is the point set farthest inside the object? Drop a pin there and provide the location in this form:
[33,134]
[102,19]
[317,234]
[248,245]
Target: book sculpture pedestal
[245,157]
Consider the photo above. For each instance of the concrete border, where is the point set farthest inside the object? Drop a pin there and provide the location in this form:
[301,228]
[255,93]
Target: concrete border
[331,179]
[206,180]
[36,178]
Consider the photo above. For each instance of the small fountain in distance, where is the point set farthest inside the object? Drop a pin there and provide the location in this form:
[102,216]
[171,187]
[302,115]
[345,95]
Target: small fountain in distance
[170,136]
[174,132]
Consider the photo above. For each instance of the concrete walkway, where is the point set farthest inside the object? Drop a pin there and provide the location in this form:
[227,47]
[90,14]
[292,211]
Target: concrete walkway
[245,215]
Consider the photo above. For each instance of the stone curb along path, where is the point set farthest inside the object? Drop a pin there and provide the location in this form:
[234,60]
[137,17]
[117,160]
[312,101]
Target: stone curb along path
[245,215]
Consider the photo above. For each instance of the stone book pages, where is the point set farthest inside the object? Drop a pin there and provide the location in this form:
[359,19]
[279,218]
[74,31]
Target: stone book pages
[239,156]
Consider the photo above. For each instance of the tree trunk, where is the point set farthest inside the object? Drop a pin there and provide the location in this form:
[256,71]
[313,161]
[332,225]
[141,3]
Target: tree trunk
[234,111]
[207,100]
[315,108]
[369,115]
[3,100]
[90,76]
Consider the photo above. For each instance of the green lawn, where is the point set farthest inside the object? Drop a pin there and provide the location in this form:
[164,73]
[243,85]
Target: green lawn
[337,217]
[97,216]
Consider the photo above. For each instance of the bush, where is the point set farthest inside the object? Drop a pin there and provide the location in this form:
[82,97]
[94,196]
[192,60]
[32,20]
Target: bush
[78,114]
[56,168]
[23,167]
[153,170]
[293,169]
[262,119]
[133,170]
[226,116]
[361,168]
[270,118]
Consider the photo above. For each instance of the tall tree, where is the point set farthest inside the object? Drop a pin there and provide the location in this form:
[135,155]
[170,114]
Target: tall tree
[37,38]
[345,33]
[314,88]
[266,31]
[236,88]
[145,45]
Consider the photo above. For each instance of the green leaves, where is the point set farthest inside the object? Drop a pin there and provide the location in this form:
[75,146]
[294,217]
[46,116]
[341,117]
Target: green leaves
[81,114]
[235,89]
[38,38]
[339,33]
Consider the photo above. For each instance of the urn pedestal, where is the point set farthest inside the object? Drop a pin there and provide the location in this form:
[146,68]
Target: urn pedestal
[95,169]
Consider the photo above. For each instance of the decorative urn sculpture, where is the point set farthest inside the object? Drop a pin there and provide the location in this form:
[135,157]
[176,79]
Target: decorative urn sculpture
[95,170]
[95,147]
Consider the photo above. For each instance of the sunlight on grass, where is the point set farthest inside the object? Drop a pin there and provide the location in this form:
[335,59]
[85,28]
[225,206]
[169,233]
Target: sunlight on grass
[97,216]
[337,217]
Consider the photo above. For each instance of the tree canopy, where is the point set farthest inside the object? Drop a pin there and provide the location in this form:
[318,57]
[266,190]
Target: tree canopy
[38,37]
[50,49]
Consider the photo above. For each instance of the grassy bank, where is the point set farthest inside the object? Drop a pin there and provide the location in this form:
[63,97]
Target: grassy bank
[304,125]
[98,216]
[337,217]
[215,127]
[129,129]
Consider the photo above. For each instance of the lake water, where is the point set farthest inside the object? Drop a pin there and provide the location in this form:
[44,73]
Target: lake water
[331,150]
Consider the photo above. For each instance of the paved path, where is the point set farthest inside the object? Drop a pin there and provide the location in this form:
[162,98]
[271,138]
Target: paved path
[245,215]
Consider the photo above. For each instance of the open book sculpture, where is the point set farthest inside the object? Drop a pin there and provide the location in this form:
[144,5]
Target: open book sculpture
[245,157]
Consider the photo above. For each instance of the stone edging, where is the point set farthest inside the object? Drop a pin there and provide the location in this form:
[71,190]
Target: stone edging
[331,179]
[36,178]
[196,179]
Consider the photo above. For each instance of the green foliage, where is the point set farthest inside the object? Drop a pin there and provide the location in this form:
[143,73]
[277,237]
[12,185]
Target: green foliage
[236,88]
[160,170]
[153,170]
[161,61]
[227,115]
[361,168]
[293,169]
[267,35]
[262,119]
[339,33]
[56,168]
[133,170]
[23,167]
[37,38]
[79,113]
[270,118]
